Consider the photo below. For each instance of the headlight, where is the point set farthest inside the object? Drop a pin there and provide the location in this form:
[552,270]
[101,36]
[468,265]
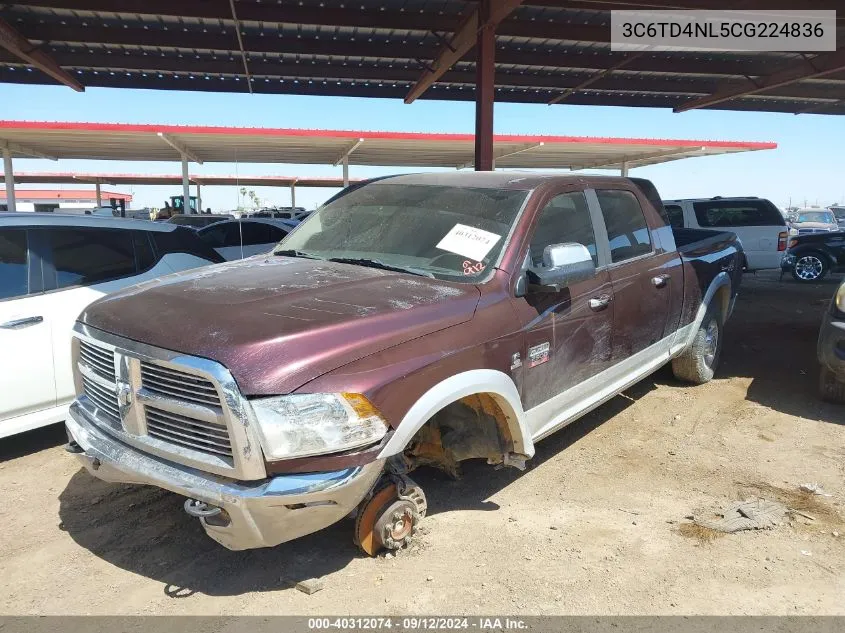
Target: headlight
[839,299]
[313,424]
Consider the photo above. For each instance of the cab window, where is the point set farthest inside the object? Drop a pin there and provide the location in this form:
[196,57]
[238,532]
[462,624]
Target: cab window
[566,218]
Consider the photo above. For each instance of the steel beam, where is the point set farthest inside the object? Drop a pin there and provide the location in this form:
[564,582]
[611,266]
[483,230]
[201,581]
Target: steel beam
[499,155]
[186,186]
[485,85]
[626,162]
[199,197]
[486,17]
[293,195]
[346,172]
[21,47]
[99,194]
[241,45]
[819,66]
[594,79]
[9,176]
[180,147]
[348,152]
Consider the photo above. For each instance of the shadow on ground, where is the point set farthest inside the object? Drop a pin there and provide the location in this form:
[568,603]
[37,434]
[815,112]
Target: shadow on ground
[145,530]
[32,441]
[771,338]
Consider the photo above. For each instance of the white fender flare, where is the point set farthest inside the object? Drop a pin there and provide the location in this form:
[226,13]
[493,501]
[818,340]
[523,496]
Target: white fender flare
[685,336]
[499,385]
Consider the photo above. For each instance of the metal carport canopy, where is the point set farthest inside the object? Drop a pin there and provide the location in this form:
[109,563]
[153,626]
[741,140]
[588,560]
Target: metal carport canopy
[134,142]
[65,178]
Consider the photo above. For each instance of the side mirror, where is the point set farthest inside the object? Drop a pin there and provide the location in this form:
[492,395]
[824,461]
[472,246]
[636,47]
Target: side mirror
[563,265]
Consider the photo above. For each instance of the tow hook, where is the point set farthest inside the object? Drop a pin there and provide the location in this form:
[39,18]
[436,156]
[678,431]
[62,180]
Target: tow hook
[211,514]
[74,448]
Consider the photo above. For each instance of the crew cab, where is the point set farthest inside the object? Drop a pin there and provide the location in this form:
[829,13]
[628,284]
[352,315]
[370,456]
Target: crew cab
[758,224]
[417,320]
[51,267]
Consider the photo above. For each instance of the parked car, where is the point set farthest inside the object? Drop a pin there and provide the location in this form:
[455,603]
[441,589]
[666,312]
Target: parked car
[236,239]
[51,267]
[813,220]
[283,213]
[839,213]
[811,257]
[418,320]
[198,220]
[758,224]
[831,349]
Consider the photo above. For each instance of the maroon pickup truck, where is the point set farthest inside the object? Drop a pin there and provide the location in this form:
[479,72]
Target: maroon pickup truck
[416,320]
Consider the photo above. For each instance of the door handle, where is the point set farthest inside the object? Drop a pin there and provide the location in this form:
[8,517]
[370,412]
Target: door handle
[600,302]
[659,281]
[17,324]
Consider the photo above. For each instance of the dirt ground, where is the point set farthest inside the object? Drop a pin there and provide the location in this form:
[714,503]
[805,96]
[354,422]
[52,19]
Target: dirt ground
[596,525]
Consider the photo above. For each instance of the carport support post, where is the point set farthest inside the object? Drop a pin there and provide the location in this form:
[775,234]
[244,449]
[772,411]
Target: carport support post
[485,78]
[199,199]
[346,171]
[10,180]
[99,195]
[624,170]
[186,187]
[293,195]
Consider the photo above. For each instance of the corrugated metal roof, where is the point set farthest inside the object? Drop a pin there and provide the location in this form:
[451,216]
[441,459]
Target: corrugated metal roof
[116,141]
[379,48]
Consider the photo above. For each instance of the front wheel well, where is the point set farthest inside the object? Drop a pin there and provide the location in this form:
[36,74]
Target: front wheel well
[475,426]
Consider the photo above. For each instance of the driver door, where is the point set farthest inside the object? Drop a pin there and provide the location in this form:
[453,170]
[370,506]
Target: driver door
[567,333]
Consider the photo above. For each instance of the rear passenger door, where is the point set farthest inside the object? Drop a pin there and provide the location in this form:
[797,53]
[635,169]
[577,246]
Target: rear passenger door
[639,273]
[26,355]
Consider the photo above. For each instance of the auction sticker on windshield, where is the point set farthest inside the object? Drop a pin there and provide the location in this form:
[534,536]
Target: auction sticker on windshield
[469,241]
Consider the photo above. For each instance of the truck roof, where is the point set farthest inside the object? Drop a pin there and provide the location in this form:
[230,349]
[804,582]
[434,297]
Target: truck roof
[493,179]
[59,219]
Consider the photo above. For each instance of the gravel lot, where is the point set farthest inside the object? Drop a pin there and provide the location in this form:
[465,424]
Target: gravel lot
[594,526]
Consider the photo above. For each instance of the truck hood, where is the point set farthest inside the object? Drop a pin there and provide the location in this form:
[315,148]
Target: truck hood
[278,322]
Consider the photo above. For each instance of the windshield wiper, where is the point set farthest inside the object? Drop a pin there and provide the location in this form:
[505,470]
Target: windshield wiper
[295,253]
[374,263]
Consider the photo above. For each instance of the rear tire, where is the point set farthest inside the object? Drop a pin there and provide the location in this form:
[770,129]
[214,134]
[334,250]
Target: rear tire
[831,388]
[810,267]
[698,362]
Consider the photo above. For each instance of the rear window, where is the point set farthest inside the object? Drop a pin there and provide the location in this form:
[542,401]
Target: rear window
[88,256]
[675,215]
[729,213]
[13,258]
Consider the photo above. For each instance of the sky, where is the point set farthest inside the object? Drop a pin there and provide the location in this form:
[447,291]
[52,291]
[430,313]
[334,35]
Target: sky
[805,169]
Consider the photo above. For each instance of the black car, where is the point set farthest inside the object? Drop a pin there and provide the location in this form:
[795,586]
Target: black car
[810,257]
[831,349]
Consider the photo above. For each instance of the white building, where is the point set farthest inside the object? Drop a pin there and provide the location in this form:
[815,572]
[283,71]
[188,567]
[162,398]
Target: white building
[59,199]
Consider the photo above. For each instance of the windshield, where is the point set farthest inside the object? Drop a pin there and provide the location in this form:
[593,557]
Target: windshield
[839,212]
[453,233]
[825,217]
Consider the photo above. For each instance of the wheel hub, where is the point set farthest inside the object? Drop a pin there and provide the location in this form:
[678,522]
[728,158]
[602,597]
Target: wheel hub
[711,342]
[809,267]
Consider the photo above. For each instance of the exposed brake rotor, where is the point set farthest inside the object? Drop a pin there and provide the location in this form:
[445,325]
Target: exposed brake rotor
[389,518]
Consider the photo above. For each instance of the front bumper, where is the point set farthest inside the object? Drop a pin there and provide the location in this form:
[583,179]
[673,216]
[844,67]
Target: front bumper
[831,346]
[260,513]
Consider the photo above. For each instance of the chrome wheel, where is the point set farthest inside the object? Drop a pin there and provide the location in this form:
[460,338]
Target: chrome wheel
[809,268]
[711,342]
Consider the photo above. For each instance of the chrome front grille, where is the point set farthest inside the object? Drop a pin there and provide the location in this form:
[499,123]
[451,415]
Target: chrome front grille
[188,432]
[104,398]
[99,359]
[178,407]
[171,383]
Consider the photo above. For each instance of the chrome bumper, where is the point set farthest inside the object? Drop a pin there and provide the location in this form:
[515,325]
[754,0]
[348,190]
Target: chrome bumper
[260,513]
